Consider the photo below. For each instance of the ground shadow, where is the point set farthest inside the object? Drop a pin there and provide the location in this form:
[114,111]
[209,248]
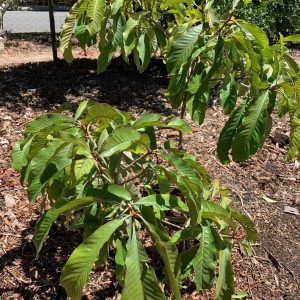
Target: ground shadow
[42,274]
[48,85]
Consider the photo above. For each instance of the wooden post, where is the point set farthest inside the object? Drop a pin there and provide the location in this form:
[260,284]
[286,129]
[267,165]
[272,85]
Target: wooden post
[52,28]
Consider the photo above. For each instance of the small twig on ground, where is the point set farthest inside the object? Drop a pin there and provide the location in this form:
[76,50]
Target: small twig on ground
[239,196]
[18,278]
[171,224]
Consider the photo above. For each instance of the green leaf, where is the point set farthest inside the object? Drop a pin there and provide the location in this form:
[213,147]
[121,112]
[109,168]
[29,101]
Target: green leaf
[95,12]
[79,202]
[116,5]
[198,94]
[246,223]
[292,38]
[214,211]
[147,120]
[205,260]
[186,258]
[120,257]
[19,154]
[152,289]
[120,139]
[133,286]
[225,281]
[228,94]
[76,271]
[45,164]
[166,3]
[163,202]
[68,29]
[251,132]
[82,107]
[186,234]
[256,32]
[228,133]
[42,228]
[102,112]
[46,121]
[183,167]
[182,48]
[240,295]
[144,52]
[168,252]
[178,124]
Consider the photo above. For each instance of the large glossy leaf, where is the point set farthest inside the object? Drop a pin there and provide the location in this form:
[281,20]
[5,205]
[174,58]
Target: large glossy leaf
[120,257]
[42,228]
[152,290]
[133,286]
[163,201]
[255,32]
[295,38]
[120,139]
[45,121]
[102,112]
[76,271]
[182,48]
[198,94]
[225,281]
[251,132]
[214,211]
[205,260]
[140,280]
[228,94]
[246,223]
[178,124]
[147,120]
[183,167]
[294,148]
[166,3]
[168,252]
[48,162]
[143,52]
[95,12]
[228,133]
[19,154]
[186,258]
[68,28]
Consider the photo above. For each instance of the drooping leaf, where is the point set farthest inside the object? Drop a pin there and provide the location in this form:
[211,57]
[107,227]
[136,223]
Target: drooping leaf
[168,252]
[42,228]
[163,201]
[68,29]
[251,132]
[246,223]
[120,139]
[46,121]
[229,95]
[225,281]
[75,273]
[256,33]
[205,260]
[228,133]
[102,112]
[133,286]
[95,12]
[182,48]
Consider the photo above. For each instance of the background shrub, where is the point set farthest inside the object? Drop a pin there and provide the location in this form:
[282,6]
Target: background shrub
[273,16]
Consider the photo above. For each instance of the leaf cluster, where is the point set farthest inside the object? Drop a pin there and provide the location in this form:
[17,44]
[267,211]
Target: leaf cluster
[134,196]
[202,50]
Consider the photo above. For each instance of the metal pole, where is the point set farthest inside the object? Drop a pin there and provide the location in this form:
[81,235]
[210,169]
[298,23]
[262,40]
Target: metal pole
[52,28]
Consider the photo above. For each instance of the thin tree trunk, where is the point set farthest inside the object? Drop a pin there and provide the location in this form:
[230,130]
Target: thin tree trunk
[52,28]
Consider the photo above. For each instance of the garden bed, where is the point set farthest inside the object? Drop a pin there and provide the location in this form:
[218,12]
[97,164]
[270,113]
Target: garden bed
[29,90]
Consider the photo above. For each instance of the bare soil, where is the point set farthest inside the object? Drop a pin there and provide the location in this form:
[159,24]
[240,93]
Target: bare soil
[31,89]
